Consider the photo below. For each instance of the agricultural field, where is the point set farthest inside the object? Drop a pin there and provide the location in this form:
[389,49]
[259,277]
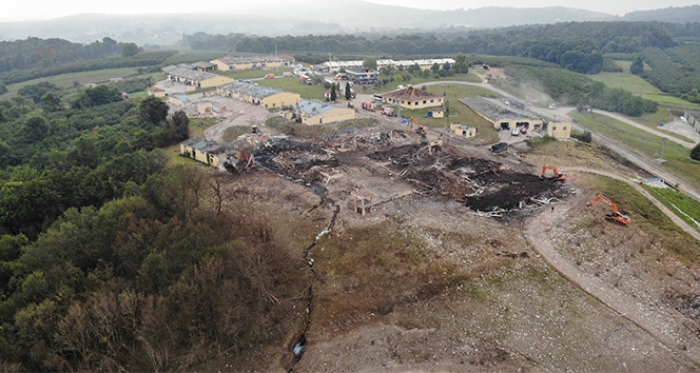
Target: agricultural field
[67,80]
[639,86]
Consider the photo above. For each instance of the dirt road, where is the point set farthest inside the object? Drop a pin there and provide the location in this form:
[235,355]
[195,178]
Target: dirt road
[538,234]
[242,114]
[676,220]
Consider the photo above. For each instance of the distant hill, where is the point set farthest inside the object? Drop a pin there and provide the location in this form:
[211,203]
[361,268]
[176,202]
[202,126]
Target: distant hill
[673,14]
[295,19]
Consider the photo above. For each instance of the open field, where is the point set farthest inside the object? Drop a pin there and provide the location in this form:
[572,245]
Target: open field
[255,73]
[66,80]
[193,56]
[639,86]
[685,207]
[679,161]
[292,84]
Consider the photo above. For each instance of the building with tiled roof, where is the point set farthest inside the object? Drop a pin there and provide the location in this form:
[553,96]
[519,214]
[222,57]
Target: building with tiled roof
[413,98]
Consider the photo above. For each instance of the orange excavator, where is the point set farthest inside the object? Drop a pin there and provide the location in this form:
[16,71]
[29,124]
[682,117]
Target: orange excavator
[616,216]
[556,175]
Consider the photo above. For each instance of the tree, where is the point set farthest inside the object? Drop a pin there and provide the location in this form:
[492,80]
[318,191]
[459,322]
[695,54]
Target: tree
[370,63]
[129,49]
[35,129]
[152,110]
[695,153]
[50,102]
[637,66]
[100,95]
[348,92]
[435,68]
[334,95]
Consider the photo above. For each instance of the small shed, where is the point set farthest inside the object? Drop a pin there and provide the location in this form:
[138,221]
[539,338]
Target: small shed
[463,131]
[436,113]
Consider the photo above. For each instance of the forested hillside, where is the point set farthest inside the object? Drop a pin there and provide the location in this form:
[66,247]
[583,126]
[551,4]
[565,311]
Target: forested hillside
[108,258]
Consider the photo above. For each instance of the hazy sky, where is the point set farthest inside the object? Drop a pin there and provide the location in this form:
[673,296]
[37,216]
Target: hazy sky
[44,9]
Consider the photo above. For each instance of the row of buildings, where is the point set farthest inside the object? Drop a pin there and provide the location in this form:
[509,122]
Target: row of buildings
[424,64]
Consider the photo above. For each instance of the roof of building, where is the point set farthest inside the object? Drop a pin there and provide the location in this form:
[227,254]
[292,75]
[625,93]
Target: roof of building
[236,60]
[181,97]
[411,94]
[495,109]
[205,146]
[203,64]
[156,89]
[360,70]
[312,107]
[188,73]
[251,89]
[385,62]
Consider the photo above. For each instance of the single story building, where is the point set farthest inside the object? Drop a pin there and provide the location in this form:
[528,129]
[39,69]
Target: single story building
[194,79]
[313,112]
[208,152]
[204,66]
[463,131]
[413,98]
[559,130]
[256,94]
[436,113]
[503,114]
[156,92]
[229,63]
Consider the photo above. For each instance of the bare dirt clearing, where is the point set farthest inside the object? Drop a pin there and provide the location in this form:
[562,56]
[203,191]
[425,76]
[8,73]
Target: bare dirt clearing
[421,283]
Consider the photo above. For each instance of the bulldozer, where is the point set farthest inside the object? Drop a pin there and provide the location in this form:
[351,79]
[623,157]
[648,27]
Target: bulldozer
[617,216]
[556,175]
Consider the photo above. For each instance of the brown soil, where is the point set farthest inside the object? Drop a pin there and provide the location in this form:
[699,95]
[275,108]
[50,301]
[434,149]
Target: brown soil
[423,283]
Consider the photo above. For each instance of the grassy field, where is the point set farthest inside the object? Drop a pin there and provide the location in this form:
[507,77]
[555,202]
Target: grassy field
[66,80]
[639,86]
[458,112]
[644,143]
[292,84]
[647,216]
[685,207]
[417,82]
[255,73]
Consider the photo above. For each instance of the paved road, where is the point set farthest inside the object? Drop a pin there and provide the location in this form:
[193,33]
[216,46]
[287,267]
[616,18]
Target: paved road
[637,159]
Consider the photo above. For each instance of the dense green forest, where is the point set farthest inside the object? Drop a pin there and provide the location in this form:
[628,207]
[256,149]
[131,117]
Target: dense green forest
[109,258]
[35,53]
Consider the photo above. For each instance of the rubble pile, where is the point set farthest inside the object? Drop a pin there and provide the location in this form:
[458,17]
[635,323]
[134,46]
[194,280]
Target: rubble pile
[483,185]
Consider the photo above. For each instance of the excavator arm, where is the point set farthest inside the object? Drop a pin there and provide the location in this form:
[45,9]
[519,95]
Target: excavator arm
[616,216]
[556,175]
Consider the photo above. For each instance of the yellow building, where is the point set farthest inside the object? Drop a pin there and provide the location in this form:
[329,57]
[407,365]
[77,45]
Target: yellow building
[208,152]
[204,107]
[156,92]
[178,100]
[229,63]
[194,79]
[413,98]
[503,114]
[463,131]
[269,98]
[317,112]
[559,130]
